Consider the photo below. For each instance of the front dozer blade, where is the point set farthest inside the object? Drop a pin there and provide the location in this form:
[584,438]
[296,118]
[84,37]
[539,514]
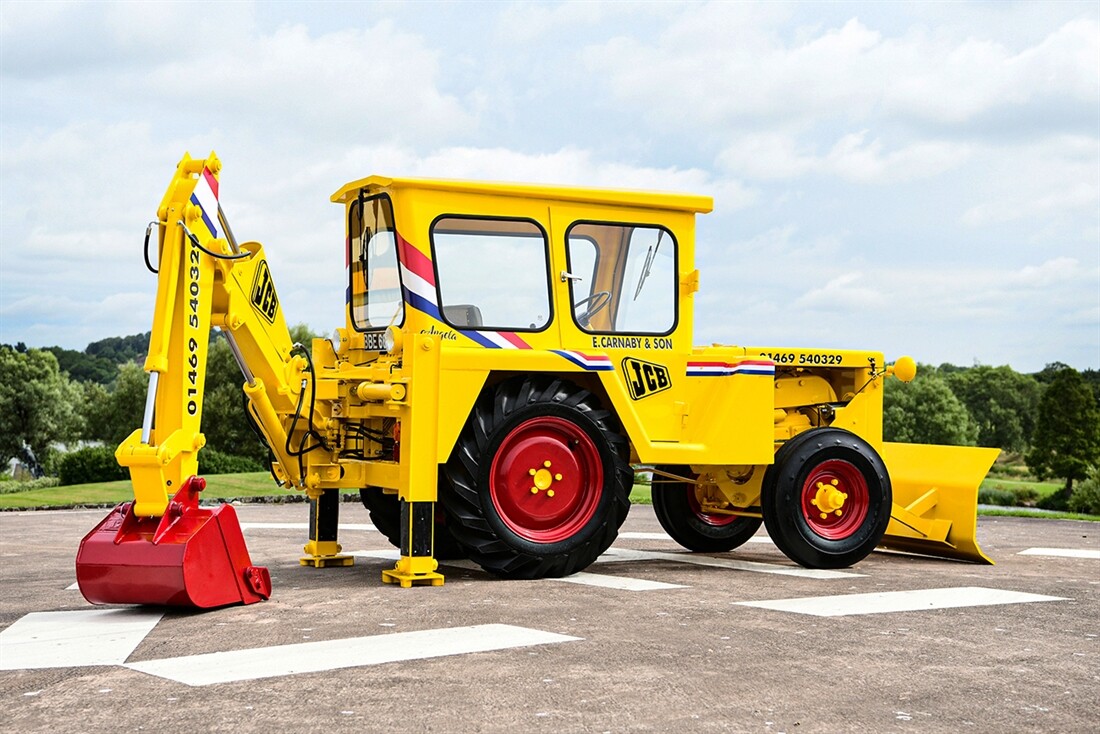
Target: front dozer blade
[190,557]
[935,489]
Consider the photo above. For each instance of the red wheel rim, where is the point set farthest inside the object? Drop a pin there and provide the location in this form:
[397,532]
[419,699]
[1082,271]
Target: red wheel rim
[561,463]
[714,520]
[835,499]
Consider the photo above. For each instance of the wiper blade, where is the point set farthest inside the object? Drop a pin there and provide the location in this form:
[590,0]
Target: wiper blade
[650,255]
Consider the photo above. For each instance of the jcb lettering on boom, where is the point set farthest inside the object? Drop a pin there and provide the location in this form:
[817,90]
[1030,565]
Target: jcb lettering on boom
[446,401]
[264,298]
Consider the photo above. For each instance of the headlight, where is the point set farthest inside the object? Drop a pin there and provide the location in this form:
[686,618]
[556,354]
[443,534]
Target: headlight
[392,339]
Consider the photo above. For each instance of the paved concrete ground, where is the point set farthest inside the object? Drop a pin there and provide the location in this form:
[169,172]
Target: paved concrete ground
[686,657]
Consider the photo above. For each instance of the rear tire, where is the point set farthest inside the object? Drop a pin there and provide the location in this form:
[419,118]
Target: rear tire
[385,515]
[680,514]
[539,483]
[826,499]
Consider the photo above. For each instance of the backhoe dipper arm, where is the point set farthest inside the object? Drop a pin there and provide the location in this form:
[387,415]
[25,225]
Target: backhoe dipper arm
[206,279]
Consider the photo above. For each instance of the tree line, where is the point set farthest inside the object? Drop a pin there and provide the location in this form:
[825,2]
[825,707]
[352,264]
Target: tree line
[54,396]
[54,399]
[1051,419]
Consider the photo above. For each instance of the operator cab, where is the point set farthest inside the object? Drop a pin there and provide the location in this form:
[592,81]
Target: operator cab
[513,265]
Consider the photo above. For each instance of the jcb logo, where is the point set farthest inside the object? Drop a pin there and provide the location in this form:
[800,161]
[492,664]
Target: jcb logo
[645,378]
[264,299]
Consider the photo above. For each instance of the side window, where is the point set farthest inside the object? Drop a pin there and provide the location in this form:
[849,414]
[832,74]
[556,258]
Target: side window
[632,286]
[492,273]
[375,286]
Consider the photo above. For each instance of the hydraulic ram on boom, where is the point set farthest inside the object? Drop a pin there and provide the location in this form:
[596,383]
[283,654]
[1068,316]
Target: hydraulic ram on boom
[511,355]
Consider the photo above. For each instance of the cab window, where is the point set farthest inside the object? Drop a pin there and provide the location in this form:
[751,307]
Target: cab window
[492,273]
[622,278]
[375,287]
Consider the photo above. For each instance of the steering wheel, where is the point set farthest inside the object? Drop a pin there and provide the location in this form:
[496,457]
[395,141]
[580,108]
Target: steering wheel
[594,304]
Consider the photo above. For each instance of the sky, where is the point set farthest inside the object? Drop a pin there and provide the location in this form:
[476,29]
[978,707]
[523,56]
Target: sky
[914,178]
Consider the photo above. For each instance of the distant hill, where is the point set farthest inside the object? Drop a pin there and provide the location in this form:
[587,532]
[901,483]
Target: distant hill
[99,361]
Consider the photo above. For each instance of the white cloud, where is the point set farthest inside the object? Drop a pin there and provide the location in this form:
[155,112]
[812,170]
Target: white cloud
[777,155]
[733,74]
[1052,179]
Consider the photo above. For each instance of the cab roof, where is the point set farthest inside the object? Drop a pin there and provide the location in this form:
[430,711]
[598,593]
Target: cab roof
[571,194]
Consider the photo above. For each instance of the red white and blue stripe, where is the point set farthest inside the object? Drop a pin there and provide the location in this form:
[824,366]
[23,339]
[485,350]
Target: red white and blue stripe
[589,362]
[725,369]
[418,287]
[205,197]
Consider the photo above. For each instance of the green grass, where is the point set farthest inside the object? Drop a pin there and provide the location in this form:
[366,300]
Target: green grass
[222,486]
[1043,488]
[639,495]
[260,484]
[1027,512]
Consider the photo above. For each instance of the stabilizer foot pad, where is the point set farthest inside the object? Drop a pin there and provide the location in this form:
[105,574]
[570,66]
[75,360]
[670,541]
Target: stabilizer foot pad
[408,579]
[326,561]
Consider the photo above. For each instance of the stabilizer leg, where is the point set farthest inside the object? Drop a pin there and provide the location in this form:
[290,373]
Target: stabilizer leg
[324,521]
[417,564]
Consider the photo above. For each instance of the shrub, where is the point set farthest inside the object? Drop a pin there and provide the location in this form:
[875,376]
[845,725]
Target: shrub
[1025,496]
[12,486]
[1086,497]
[91,464]
[1056,501]
[1001,497]
[215,462]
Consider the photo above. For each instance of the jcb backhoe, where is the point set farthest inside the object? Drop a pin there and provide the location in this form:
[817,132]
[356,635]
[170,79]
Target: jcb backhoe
[512,355]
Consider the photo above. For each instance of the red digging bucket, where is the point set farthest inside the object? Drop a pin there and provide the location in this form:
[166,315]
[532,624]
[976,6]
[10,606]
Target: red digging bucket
[190,557]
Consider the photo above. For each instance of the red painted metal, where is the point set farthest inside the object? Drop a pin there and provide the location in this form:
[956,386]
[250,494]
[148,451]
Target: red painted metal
[712,519]
[191,556]
[854,511]
[572,455]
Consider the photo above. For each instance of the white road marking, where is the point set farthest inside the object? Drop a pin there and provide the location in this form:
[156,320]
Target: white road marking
[621,583]
[313,657]
[616,555]
[74,638]
[622,555]
[300,526]
[898,601]
[74,586]
[665,536]
[1061,552]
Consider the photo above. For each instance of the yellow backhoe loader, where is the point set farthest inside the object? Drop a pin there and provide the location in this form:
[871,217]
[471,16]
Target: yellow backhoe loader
[512,356]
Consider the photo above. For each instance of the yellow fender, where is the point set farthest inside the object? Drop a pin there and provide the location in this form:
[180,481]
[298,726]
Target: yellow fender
[936,499]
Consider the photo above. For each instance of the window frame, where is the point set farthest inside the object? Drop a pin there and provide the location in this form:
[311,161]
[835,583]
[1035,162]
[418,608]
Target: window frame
[492,218]
[676,274]
[360,201]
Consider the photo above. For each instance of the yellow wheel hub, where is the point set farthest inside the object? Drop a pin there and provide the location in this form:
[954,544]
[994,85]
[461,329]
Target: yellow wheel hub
[829,499]
[543,478]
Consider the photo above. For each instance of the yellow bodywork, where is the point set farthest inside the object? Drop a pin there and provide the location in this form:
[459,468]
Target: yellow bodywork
[391,393]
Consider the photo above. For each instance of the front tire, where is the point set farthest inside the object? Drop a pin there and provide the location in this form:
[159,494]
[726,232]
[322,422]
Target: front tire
[826,499]
[540,485]
[680,513]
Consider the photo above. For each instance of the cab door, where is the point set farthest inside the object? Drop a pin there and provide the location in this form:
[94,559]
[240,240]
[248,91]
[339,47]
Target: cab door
[619,295]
